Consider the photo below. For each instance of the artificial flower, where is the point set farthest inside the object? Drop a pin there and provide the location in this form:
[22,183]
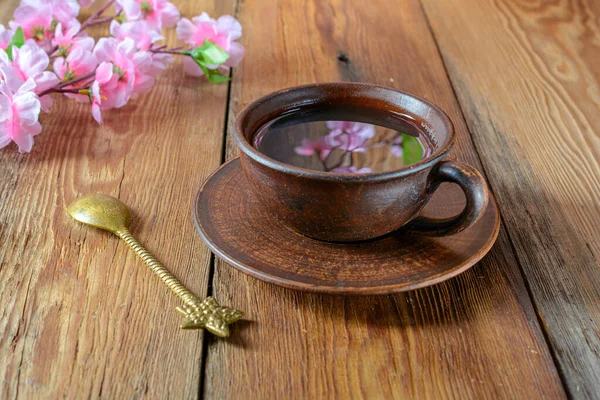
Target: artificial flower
[108,73]
[397,150]
[96,97]
[320,147]
[63,11]
[157,13]
[71,39]
[144,38]
[223,32]
[349,136]
[78,63]
[139,31]
[29,62]
[358,129]
[5,37]
[144,72]
[36,21]
[118,88]
[19,113]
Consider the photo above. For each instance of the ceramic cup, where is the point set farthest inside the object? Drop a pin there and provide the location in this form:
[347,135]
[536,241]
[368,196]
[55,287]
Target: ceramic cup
[346,208]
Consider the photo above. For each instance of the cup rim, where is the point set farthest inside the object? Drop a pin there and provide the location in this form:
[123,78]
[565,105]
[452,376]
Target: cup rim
[248,149]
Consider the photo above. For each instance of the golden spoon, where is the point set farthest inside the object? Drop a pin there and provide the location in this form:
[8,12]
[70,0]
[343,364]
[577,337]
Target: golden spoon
[110,214]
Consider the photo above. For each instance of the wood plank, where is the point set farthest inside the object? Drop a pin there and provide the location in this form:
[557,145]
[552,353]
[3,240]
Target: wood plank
[475,336]
[81,317]
[528,76]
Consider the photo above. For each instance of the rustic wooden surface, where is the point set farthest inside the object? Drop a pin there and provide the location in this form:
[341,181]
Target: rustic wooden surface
[82,318]
[536,126]
[475,336]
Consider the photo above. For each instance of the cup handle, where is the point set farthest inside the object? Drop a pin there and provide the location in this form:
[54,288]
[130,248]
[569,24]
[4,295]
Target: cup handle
[475,189]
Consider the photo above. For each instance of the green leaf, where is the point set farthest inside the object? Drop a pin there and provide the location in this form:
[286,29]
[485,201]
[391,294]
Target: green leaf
[413,151]
[218,78]
[18,40]
[213,75]
[213,54]
[209,54]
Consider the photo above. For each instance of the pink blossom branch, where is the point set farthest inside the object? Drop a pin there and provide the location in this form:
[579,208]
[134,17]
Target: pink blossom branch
[62,85]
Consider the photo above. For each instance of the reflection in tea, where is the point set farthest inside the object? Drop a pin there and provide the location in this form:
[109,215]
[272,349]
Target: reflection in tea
[342,146]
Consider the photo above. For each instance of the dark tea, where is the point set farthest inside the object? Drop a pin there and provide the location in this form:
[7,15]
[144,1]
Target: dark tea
[341,140]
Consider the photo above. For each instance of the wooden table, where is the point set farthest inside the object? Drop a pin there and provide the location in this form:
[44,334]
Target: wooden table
[521,80]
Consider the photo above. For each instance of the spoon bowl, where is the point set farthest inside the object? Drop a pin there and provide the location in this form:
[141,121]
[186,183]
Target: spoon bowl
[101,211]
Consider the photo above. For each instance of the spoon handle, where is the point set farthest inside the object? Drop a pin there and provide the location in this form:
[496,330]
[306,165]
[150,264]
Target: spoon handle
[168,279]
[197,314]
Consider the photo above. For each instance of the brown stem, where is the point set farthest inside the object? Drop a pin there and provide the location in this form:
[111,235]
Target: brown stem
[102,20]
[76,80]
[74,90]
[176,50]
[58,87]
[94,16]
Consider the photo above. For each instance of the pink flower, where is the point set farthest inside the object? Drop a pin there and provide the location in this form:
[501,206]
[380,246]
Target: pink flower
[352,170]
[358,129]
[64,11]
[70,39]
[306,149]
[5,37]
[221,32]
[139,31]
[320,147]
[397,150]
[36,17]
[158,13]
[350,136]
[19,113]
[34,20]
[144,72]
[116,86]
[29,62]
[144,38]
[78,63]
[96,99]
[339,138]
[101,89]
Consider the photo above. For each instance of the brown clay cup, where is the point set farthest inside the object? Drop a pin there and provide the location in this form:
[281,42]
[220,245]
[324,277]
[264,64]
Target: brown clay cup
[346,208]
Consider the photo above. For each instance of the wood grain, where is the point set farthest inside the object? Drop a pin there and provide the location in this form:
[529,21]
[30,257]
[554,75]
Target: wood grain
[81,317]
[527,75]
[475,336]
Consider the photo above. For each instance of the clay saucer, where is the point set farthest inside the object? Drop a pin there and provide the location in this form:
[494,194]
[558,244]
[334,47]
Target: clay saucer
[233,224]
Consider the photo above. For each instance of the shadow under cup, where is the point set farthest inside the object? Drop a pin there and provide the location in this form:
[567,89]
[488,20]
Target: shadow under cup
[343,207]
